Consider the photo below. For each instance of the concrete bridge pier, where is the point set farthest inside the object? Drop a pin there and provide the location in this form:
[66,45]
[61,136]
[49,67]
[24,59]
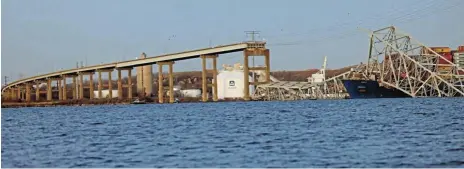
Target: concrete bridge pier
[19,92]
[65,91]
[246,69]
[28,92]
[121,85]
[60,89]
[49,89]
[9,94]
[74,87]
[110,85]
[91,95]
[129,83]
[100,83]
[81,85]
[13,94]
[99,87]
[160,82]
[205,72]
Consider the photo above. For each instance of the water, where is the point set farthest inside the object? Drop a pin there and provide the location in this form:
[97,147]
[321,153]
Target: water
[322,133]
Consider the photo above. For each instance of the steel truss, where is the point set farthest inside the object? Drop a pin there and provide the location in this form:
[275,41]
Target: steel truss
[331,88]
[409,66]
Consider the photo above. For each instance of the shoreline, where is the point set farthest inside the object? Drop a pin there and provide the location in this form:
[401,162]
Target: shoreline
[94,102]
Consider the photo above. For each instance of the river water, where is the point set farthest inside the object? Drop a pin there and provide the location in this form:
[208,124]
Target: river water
[322,133]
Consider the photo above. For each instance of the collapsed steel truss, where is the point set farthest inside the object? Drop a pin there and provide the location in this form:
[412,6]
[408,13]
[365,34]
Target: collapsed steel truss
[411,67]
[331,88]
[396,60]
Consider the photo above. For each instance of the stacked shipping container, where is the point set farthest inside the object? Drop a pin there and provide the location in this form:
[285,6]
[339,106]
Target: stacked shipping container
[444,67]
[458,57]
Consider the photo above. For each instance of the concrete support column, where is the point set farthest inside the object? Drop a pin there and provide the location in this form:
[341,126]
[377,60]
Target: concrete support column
[110,86]
[74,88]
[119,84]
[10,94]
[205,72]
[160,84]
[171,84]
[215,89]
[60,90]
[37,92]
[28,92]
[100,83]
[267,61]
[246,80]
[91,86]
[49,89]
[129,81]
[19,92]
[246,69]
[204,87]
[65,91]
[81,86]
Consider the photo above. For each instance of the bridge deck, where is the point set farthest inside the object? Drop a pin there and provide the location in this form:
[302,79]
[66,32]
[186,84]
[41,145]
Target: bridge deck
[149,60]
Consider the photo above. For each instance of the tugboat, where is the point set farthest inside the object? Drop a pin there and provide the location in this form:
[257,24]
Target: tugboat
[137,101]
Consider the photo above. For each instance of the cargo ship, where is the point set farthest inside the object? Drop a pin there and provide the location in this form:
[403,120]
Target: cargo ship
[371,89]
[360,89]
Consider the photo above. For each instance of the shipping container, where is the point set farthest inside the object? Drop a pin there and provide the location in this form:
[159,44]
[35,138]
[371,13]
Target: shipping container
[460,72]
[444,68]
[453,51]
[461,48]
[392,56]
[441,49]
[447,56]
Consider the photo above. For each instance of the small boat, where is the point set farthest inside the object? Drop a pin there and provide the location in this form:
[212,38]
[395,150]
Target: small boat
[137,101]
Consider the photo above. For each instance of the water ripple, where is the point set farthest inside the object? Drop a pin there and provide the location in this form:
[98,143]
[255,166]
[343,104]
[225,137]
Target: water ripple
[321,133]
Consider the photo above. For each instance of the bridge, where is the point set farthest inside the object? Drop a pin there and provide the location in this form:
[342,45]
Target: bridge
[22,88]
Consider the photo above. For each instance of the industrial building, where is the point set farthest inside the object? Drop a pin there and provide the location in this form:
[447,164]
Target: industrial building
[231,82]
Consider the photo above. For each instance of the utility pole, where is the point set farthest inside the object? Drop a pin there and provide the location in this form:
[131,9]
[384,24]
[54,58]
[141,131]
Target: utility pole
[6,80]
[252,33]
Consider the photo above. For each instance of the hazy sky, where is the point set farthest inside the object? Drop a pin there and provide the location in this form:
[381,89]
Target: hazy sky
[40,36]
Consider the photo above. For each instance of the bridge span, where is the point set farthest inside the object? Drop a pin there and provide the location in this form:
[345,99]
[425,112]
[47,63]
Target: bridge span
[22,88]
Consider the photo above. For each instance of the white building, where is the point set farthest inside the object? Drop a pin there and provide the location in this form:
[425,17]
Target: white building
[105,94]
[231,83]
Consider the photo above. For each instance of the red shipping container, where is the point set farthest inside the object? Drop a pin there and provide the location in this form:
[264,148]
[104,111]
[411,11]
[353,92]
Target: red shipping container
[447,56]
[460,72]
[461,48]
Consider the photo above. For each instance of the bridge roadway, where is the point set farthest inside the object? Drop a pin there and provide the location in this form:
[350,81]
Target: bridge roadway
[13,90]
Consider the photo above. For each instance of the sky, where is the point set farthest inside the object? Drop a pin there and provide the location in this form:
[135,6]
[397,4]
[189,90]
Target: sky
[41,36]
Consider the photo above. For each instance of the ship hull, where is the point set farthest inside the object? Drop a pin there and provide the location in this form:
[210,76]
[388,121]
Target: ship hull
[361,89]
